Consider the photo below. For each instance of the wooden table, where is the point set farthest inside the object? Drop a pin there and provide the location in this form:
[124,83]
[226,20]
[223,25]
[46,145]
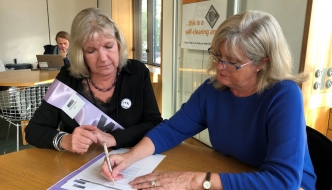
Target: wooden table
[26,78]
[36,168]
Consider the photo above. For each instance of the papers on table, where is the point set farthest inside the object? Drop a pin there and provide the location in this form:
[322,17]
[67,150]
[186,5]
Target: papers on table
[88,177]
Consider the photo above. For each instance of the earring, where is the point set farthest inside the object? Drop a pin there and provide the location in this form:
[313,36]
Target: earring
[257,70]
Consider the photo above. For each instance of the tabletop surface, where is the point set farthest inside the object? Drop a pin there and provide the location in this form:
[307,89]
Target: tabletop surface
[36,168]
[26,77]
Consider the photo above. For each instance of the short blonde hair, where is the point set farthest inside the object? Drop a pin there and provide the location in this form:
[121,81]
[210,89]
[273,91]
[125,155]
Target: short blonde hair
[258,35]
[88,23]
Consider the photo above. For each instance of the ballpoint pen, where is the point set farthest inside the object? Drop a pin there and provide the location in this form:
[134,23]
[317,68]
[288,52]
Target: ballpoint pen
[107,158]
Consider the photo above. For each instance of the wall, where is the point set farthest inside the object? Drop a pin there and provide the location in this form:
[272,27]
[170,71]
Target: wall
[106,5]
[24,25]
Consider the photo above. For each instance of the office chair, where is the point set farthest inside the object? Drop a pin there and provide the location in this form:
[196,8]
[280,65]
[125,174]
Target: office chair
[320,150]
[48,49]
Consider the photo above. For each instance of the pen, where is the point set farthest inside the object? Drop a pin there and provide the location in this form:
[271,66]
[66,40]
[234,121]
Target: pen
[107,158]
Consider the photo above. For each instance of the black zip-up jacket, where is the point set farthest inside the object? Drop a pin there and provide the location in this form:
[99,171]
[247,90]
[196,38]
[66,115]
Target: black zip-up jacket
[133,83]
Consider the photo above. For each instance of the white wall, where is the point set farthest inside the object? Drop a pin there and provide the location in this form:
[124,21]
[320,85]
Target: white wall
[62,13]
[23,29]
[24,25]
[106,5]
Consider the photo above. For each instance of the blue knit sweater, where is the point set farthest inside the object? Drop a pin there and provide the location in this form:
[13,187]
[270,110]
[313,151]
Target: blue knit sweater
[264,130]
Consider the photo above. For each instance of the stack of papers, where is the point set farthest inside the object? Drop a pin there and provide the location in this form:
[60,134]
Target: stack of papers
[88,176]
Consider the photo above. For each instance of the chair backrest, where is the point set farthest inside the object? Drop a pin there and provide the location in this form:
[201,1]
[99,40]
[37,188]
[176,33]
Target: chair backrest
[48,49]
[20,103]
[320,150]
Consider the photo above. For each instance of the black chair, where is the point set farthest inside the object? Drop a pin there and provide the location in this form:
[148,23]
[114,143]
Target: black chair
[48,49]
[320,150]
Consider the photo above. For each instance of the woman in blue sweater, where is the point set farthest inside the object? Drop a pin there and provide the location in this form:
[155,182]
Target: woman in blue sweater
[252,107]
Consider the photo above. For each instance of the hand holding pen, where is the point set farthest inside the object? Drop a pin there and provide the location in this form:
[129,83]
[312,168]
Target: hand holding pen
[107,159]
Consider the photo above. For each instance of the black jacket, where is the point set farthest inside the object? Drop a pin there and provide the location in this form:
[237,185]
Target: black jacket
[133,83]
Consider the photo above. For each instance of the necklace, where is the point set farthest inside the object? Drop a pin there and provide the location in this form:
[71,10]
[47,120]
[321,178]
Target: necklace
[102,89]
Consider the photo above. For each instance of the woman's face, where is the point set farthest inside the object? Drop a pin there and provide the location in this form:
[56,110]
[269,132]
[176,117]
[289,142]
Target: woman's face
[240,80]
[101,54]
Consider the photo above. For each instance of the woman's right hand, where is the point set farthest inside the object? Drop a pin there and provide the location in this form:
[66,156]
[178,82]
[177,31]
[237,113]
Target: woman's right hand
[80,140]
[118,162]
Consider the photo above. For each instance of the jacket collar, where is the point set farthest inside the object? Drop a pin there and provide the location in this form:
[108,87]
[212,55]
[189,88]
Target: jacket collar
[128,69]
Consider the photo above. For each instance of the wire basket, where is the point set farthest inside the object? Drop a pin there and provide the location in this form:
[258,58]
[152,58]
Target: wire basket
[20,103]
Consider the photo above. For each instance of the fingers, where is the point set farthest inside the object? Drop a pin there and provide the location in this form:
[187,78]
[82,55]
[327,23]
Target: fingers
[118,163]
[146,181]
[147,185]
[80,145]
[83,136]
[63,53]
[105,172]
[90,133]
[166,180]
[63,50]
[115,174]
[100,136]
[81,139]
[89,127]
[144,178]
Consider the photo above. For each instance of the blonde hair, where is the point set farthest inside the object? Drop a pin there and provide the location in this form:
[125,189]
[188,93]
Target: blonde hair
[258,35]
[89,23]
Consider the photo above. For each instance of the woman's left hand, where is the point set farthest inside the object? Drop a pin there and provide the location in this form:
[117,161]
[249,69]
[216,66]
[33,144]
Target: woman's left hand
[167,180]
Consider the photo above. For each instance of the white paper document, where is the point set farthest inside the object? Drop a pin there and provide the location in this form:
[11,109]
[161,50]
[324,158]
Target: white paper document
[88,177]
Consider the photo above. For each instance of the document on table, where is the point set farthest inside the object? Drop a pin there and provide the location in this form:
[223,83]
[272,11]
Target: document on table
[88,177]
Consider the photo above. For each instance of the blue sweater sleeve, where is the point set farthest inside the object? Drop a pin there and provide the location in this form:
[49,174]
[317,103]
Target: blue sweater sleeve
[186,122]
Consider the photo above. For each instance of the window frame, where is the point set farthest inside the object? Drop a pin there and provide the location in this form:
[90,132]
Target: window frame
[151,30]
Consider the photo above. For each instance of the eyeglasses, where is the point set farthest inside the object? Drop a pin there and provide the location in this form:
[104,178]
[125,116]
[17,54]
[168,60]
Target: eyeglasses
[230,66]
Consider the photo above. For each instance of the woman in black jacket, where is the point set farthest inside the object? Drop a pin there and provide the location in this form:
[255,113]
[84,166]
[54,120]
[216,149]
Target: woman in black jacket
[101,73]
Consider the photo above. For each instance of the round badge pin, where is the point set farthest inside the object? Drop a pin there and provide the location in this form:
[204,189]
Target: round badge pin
[125,103]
